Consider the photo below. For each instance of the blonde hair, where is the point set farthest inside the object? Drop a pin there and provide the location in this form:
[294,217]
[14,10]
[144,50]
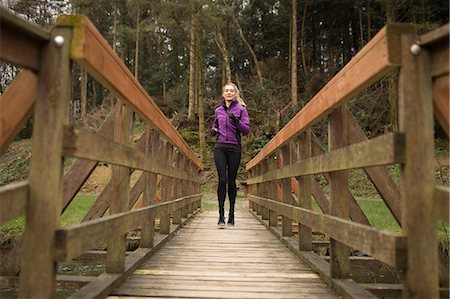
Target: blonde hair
[238,96]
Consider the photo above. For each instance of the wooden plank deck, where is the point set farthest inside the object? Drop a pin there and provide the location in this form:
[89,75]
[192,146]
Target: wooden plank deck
[245,261]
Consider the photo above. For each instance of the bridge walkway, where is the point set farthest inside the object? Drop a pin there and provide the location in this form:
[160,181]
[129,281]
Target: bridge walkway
[244,261]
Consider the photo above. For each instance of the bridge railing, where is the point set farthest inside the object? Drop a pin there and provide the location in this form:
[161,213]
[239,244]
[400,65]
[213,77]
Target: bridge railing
[166,161]
[291,158]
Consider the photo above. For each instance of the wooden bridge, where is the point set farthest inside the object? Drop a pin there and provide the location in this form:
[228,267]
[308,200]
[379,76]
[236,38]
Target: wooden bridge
[181,253]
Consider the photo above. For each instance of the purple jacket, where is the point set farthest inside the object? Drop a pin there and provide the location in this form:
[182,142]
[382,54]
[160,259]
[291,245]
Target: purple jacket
[228,131]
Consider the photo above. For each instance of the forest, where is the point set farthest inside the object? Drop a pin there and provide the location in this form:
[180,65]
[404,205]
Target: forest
[279,53]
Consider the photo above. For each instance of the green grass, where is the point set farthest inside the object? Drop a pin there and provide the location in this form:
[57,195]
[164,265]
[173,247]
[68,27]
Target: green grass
[76,211]
[72,215]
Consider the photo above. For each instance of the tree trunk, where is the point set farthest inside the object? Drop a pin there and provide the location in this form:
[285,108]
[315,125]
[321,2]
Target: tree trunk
[302,40]
[201,100]
[239,85]
[114,31]
[361,27]
[250,49]
[392,77]
[369,21]
[192,58]
[220,42]
[136,55]
[294,89]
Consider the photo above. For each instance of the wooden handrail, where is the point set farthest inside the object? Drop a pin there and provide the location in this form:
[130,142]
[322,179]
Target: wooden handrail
[92,52]
[383,245]
[375,60]
[75,240]
[21,41]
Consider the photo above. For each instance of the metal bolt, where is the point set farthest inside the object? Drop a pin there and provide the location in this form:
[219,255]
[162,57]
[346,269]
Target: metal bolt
[59,41]
[415,49]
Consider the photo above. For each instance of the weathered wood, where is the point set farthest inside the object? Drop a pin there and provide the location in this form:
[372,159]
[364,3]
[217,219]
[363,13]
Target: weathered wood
[77,175]
[106,282]
[393,290]
[45,192]
[120,186]
[285,186]
[166,186]
[304,196]
[441,197]
[148,226]
[339,201]
[200,262]
[21,41]
[385,246]
[416,122]
[13,200]
[436,42]
[74,240]
[378,175]
[356,213]
[435,36]
[94,53]
[441,102]
[347,288]
[16,106]
[101,204]
[382,150]
[178,191]
[78,143]
[375,60]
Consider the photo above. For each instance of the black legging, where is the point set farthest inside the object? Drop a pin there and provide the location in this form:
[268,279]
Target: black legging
[226,159]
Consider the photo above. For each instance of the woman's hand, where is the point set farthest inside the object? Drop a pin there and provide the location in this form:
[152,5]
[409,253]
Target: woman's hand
[233,118]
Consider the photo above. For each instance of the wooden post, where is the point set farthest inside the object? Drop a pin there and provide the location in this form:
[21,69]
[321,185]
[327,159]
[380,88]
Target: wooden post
[273,190]
[250,191]
[339,201]
[120,178]
[417,182]
[148,227]
[166,189]
[304,152]
[177,188]
[186,186]
[46,174]
[265,188]
[286,195]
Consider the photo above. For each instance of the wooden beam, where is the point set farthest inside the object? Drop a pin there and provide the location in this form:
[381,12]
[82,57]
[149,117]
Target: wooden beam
[339,201]
[93,52]
[436,42]
[120,185]
[304,148]
[101,204]
[16,106]
[382,150]
[417,188]
[20,41]
[74,240]
[441,102]
[13,200]
[46,184]
[375,60]
[356,213]
[80,171]
[79,143]
[384,246]
[378,175]
[441,199]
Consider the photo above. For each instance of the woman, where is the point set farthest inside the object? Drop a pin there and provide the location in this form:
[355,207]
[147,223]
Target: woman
[230,120]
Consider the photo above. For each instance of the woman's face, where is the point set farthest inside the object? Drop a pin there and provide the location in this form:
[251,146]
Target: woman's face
[229,93]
